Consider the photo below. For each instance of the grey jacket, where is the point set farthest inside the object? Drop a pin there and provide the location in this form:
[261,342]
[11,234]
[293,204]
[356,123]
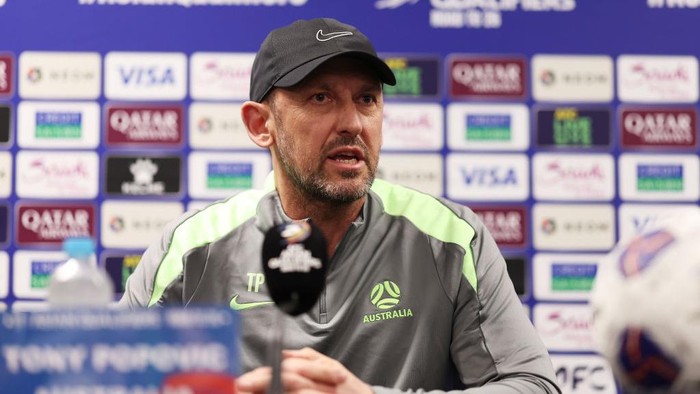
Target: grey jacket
[417,295]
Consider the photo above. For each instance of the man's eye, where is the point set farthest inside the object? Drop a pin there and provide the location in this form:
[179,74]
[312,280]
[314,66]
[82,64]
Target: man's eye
[368,99]
[320,97]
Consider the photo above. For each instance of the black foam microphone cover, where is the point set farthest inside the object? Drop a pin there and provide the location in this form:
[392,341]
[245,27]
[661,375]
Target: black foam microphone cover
[295,260]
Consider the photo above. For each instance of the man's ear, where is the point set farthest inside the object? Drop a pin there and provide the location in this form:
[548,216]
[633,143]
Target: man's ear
[255,117]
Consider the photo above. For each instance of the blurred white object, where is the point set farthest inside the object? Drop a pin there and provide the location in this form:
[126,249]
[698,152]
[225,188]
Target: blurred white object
[646,306]
[79,282]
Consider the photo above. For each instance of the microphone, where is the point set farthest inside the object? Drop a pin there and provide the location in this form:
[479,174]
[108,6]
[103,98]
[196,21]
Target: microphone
[295,260]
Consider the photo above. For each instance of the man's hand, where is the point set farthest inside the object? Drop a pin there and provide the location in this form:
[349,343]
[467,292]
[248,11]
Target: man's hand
[304,371]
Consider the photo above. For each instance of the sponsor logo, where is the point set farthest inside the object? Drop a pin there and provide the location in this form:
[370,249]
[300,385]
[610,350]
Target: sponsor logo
[495,127]
[635,219]
[664,177]
[565,277]
[488,127]
[584,374]
[218,126]
[475,177]
[564,327]
[218,175]
[4,274]
[477,14]
[51,223]
[507,225]
[119,268]
[44,174]
[135,224]
[572,78]
[385,297]
[487,77]
[589,177]
[60,75]
[415,77]
[6,74]
[412,127]
[651,79]
[321,36]
[229,175]
[655,127]
[4,224]
[573,127]
[140,176]
[58,124]
[659,177]
[32,271]
[517,272]
[241,306]
[220,76]
[5,124]
[424,173]
[152,125]
[145,76]
[5,174]
[573,227]
[577,277]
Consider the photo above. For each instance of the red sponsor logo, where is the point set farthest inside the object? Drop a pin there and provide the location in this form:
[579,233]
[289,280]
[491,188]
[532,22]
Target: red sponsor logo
[487,77]
[155,125]
[507,225]
[51,224]
[659,127]
[6,69]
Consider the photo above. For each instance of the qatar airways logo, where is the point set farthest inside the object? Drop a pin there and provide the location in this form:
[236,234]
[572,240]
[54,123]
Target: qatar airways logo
[5,74]
[506,225]
[484,77]
[659,127]
[40,224]
[157,125]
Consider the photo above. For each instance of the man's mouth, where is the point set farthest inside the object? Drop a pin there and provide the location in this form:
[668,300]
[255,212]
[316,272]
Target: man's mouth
[347,155]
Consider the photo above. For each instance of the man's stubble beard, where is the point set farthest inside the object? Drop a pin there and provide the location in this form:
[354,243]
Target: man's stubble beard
[312,182]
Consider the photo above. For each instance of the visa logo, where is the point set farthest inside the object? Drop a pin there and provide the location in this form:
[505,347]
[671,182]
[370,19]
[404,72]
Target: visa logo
[148,76]
[490,176]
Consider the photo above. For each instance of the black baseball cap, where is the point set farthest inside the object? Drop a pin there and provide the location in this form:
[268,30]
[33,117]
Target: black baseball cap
[290,53]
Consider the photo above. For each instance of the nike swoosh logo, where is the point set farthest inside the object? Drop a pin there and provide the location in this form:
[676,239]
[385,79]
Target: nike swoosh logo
[236,306]
[325,37]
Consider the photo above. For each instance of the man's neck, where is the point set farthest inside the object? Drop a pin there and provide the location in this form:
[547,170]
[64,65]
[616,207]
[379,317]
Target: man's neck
[333,219]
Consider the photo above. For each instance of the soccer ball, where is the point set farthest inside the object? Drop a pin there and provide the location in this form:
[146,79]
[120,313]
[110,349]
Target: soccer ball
[646,308]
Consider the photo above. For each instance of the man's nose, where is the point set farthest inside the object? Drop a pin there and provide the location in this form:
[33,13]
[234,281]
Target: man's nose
[349,119]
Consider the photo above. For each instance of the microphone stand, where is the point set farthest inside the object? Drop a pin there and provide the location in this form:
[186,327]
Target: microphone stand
[278,342]
[276,356]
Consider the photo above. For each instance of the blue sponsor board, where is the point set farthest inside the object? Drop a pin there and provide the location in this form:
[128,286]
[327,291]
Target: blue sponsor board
[573,277]
[105,351]
[229,175]
[667,177]
[41,273]
[415,77]
[571,127]
[58,124]
[489,127]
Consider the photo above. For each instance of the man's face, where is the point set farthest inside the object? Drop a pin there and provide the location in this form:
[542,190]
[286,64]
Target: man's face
[327,131]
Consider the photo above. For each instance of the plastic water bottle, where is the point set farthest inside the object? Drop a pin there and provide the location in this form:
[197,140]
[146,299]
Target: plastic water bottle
[79,282]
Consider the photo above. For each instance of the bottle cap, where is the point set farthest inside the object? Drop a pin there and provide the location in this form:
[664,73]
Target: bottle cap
[78,246]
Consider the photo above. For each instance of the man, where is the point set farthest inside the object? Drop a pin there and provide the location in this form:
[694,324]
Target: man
[451,321]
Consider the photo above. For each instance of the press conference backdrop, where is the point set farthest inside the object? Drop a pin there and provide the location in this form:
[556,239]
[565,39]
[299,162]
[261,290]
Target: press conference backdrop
[566,124]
